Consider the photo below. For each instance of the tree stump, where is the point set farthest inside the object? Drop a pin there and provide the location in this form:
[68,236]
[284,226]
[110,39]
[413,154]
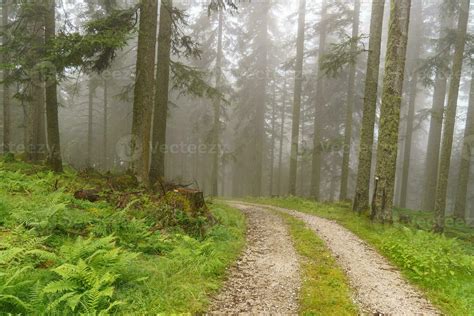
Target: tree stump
[195,198]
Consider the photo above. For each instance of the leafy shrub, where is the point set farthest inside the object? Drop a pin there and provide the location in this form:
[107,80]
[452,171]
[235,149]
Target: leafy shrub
[443,258]
[132,233]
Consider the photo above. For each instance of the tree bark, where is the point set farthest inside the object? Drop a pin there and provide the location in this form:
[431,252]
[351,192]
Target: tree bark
[436,126]
[414,54]
[349,108]
[35,91]
[320,100]
[6,89]
[106,121]
[144,86]
[261,99]
[295,129]
[282,137]
[361,199]
[217,109]
[450,118]
[160,116]
[54,143]
[272,141]
[90,123]
[460,209]
[390,113]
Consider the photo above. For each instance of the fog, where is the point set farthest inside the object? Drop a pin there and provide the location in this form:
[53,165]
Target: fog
[245,72]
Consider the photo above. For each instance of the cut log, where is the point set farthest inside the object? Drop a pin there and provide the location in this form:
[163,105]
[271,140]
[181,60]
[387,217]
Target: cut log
[87,195]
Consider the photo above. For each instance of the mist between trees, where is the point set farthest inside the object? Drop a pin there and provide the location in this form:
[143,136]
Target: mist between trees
[363,101]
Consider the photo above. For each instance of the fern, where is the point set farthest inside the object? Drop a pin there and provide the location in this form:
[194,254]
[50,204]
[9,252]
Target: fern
[81,289]
[23,247]
[11,285]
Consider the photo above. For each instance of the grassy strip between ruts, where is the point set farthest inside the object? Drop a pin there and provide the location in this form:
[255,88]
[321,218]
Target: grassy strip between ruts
[442,267]
[325,289]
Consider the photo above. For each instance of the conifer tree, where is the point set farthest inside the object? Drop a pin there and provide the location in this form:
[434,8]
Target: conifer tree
[297,97]
[361,198]
[390,112]
[160,116]
[144,86]
[450,117]
[350,106]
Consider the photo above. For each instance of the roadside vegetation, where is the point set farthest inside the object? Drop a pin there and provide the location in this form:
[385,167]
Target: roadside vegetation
[325,289]
[129,251]
[441,265]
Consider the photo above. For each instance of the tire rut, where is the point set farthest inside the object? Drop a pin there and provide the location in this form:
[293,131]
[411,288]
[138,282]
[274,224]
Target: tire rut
[265,280]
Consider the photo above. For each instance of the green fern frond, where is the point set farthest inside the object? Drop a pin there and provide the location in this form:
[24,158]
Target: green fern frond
[60,286]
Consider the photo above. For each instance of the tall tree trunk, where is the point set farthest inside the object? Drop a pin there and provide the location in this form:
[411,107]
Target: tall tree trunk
[160,116]
[349,108]
[390,113]
[35,116]
[316,157]
[144,86]
[460,209]
[261,99]
[35,92]
[414,54]
[272,141]
[54,143]
[90,117]
[295,129]
[106,123]
[282,137]
[6,89]
[361,199]
[217,109]
[450,118]
[436,126]
[303,161]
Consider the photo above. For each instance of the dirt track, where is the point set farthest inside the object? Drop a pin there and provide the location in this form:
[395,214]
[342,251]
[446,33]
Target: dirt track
[378,287]
[266,278]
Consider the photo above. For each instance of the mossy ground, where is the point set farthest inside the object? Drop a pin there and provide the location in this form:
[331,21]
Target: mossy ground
[128,253]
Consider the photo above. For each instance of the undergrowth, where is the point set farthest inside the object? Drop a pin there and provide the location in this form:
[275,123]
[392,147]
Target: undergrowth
[441,265]
[130,252]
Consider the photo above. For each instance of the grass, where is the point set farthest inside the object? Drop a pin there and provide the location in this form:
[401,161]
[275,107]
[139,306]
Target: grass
[441,266]
[125,254]
[183,280]
[325,289]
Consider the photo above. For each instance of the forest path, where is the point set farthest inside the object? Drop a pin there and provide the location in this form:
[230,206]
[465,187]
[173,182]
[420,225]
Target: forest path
[379,288]
[265,280]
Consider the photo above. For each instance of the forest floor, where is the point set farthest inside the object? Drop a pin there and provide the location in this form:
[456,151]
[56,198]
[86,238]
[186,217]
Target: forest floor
[130,251]
[269,265]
